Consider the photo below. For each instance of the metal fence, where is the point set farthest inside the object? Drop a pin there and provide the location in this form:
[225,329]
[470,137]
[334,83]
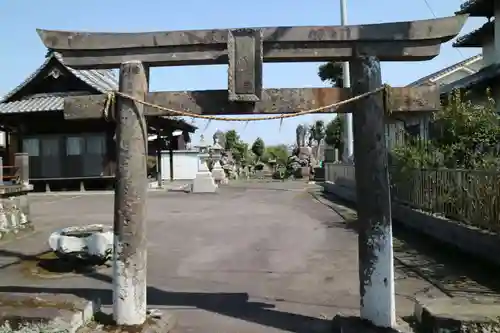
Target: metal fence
[468,196]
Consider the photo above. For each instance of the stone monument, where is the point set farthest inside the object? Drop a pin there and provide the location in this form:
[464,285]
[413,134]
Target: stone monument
[304,152]
[203,182]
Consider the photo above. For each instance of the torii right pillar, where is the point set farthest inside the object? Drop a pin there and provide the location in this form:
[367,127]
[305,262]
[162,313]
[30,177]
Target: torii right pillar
[376,265]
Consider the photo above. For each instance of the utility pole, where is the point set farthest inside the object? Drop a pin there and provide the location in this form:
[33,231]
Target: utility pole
[348,153]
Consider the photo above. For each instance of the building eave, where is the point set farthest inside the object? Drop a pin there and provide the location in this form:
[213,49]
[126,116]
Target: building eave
[431,78]
[480,79]
[100,80]
[478,37]
[477,8]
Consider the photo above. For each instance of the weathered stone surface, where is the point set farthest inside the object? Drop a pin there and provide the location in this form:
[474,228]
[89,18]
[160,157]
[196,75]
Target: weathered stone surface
[218,173]
[245,52]
[66,312]
[397,41]
[457,315]
[156,322]
[273,101]
[14,210]
[350,324]
[85,242]
[6,235]
[204,181]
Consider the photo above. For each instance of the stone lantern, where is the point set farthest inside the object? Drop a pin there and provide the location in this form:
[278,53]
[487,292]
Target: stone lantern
[202,154]
[203,182]
[217,171]
[216,151]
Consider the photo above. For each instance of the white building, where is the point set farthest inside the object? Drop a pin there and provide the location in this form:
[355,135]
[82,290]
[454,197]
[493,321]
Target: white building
[487,39]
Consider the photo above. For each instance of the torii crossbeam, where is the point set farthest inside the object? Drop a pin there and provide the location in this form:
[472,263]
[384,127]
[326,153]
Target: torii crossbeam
[245,50]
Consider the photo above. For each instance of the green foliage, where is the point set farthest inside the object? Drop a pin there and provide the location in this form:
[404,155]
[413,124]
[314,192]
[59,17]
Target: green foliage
[240,152]
[232,139]
[258,148]
[278,153]
[464,135]
[332,72]
[333,132]
[317,130]
[237,147]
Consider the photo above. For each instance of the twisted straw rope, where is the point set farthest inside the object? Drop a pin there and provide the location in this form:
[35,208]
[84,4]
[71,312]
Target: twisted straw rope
[112,97]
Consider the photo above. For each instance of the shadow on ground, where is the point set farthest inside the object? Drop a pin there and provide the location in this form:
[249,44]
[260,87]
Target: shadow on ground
[236,305]
[448,268]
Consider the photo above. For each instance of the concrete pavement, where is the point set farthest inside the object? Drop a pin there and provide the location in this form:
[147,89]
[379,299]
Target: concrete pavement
[258,257]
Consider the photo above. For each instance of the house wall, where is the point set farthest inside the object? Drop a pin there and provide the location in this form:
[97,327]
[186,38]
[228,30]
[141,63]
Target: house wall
[65,149]
[185,164]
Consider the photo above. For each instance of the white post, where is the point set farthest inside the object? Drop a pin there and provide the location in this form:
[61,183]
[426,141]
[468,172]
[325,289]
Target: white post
[347,133]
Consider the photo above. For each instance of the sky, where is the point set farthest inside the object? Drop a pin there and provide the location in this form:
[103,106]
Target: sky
[22,51]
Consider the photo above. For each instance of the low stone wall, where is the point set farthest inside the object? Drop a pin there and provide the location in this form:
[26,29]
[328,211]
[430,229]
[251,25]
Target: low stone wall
[465,237]
[14,210]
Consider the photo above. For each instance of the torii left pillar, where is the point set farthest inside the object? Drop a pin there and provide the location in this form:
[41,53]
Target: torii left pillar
[130,254]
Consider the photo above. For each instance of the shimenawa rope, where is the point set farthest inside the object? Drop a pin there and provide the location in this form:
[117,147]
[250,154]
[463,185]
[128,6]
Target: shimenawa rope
[111,98]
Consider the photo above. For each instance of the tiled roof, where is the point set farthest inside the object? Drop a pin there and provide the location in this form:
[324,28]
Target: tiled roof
[481,8]
[452,68]
[48,103]
[101,80]
[477,37]
[481,77]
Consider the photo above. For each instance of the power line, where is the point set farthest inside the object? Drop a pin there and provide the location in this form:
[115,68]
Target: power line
[428,5]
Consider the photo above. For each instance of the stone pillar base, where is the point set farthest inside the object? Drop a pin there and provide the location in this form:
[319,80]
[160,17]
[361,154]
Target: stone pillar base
[204,183]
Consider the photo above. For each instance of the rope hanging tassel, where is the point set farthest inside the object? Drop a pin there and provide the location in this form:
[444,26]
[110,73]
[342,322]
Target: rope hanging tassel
[111,97]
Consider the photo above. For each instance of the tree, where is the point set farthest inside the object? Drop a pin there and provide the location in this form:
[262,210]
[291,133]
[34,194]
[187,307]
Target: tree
[332,72]
[279,153]
[240,153]
[232,139]
[317,133]
[333,133]
[258,148]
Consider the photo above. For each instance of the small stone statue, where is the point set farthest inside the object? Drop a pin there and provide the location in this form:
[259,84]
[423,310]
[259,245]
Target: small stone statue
[220,139]
[300,136]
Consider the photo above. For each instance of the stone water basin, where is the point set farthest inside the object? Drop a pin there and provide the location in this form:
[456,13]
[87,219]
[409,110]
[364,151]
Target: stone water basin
[92,243]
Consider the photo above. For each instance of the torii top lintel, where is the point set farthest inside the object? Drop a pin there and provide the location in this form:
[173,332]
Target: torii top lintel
[399,41]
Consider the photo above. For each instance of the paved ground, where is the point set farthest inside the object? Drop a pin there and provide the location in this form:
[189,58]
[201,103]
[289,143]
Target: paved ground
[262,257]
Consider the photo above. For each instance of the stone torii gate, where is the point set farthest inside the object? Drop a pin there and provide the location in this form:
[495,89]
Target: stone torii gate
[245,50]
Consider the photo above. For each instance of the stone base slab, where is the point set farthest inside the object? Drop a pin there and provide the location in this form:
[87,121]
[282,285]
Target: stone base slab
[352,324]
[457,315]
[156,322]
[67,313]
[204,183]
